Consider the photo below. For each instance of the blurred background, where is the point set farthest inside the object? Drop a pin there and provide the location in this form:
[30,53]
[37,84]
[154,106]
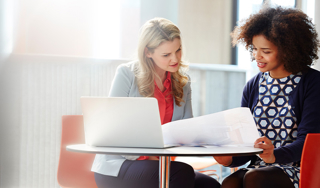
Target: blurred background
[54,51]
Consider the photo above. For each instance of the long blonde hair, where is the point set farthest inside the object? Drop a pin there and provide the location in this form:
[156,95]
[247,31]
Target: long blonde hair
[153,33]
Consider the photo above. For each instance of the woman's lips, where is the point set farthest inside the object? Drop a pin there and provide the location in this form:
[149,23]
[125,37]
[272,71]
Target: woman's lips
[261,65]
[174,65]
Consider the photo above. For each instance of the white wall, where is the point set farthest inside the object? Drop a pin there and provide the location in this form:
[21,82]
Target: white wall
[99,29]
[159,8]
[206,26]
[87,29]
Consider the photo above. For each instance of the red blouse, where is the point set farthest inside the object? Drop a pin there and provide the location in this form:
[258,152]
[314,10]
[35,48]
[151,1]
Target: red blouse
[165,102]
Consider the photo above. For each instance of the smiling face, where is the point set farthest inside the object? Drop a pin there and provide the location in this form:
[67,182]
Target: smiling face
[166,56]
[265,54]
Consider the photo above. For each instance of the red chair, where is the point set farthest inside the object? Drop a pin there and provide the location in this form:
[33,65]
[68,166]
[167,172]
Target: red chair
[74,168]
[310,162]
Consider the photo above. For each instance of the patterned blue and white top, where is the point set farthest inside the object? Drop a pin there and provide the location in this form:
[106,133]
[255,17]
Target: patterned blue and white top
[275,118]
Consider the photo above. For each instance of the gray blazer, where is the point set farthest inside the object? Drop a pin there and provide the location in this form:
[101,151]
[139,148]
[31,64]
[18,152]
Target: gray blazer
[124,85]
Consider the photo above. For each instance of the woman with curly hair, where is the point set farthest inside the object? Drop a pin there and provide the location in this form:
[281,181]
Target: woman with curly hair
[159,73]
[283,97]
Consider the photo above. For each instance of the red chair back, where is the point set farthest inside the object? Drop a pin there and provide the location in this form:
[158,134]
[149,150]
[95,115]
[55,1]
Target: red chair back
[74,170]
[310,162]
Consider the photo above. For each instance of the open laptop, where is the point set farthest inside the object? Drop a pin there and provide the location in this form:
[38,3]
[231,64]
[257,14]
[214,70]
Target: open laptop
[122,122]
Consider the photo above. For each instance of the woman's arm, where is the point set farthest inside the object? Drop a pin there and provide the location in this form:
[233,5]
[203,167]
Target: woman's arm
[122,82]
[307,108]
[120,87]
[188,107]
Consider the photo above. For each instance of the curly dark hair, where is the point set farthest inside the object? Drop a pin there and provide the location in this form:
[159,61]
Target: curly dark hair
[291,30]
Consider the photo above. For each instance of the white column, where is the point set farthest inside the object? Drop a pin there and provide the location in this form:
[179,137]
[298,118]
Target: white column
[317,23]
[159,8]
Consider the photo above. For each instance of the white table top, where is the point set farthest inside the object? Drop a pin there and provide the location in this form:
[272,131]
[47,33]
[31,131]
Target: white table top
[174,151]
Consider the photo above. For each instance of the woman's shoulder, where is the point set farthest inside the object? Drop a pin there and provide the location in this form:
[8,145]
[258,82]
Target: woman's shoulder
[312,74]
[130,66]
[311,80]
[188,81]
[189,78]
[255,79]
[127,68]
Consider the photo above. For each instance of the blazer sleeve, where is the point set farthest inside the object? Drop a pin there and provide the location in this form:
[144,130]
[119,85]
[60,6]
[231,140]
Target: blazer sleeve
[120,87]
[122,82]
[188,106]
[308,110]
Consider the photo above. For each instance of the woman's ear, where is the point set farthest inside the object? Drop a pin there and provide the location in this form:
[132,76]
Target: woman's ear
[146,51]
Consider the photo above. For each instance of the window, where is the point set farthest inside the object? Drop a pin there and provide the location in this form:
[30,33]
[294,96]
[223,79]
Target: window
[244,9]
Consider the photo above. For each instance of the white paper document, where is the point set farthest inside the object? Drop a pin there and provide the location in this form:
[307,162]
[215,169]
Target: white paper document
[230,127]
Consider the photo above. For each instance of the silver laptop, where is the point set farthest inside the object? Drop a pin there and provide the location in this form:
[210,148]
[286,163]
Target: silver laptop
[122,122]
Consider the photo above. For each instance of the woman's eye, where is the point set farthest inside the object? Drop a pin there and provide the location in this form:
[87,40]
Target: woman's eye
[166,55]
[266,52]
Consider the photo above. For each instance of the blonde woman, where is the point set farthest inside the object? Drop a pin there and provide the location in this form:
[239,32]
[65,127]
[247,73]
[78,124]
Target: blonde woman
[159,73]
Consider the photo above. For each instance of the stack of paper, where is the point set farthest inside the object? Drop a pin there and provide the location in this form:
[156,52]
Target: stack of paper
[230,127]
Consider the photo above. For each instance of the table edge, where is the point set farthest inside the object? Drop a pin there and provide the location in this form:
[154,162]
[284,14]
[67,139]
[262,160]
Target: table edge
[158,154]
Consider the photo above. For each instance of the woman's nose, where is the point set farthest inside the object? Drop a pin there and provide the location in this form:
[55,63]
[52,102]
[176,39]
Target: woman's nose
[257,55]
[174,58]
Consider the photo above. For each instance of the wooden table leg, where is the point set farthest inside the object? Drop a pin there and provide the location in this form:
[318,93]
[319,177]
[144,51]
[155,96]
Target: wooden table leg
[164,171]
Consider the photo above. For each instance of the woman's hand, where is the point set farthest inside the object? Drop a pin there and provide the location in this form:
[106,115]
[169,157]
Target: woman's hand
[264,143]
[224,160]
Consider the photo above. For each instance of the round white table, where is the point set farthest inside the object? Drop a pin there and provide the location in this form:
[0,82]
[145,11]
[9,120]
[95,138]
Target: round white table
[164,154]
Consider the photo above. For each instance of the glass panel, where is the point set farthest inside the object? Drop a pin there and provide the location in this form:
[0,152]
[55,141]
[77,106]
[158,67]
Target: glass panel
[309,8]
[245,9]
